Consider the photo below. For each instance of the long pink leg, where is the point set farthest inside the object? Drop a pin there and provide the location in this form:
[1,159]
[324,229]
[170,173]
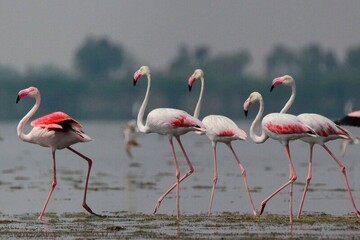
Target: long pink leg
[177,175]
[243,173]
[343,170]
[53,184]
[188,173]
[215,178]
[89,161]
[292,178]
[308,179]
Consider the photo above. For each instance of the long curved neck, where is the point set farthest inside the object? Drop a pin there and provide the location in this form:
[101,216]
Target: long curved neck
[199,102]
[140,117]
[25,119]
[291,99]
[263,137]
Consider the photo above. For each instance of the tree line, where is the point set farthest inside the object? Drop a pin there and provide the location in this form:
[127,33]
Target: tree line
[100,84]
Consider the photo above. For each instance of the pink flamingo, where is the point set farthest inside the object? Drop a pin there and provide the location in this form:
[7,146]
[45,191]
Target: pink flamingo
[56,130]
[219,129]
[170,122]
[281,127]
[325,129]
[351,119]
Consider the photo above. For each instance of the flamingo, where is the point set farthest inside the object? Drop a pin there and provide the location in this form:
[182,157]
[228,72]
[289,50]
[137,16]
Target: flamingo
[219,129]
[325,129]
[281,127]
[172,123]
[56,130]
[129,135]
[350,119]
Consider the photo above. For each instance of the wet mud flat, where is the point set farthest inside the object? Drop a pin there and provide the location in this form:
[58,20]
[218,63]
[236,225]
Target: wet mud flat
[125,225]
[125,190]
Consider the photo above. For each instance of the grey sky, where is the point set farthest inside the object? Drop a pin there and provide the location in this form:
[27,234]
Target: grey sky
[37,32]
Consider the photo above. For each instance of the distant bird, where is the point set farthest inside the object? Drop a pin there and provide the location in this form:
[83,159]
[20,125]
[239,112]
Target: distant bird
[278,126]
[56,130]
[345,143]
[351,119]
[325,129]
[219,129]
[172,123]
[129,135]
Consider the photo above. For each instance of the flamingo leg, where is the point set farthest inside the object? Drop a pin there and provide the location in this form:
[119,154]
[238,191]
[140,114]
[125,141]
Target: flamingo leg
[177,176]
[243,173]
[215,178]
[292,178]
[308,179]
[53,184]
[343,170]
[188,173]
[89,161]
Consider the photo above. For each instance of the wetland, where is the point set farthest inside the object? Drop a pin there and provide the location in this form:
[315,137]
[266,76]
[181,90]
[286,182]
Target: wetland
[124,190]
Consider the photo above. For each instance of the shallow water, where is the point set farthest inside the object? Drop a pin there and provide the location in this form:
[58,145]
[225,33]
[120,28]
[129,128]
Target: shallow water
[121,184]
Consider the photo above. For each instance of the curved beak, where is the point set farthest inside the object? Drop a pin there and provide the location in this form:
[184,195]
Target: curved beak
[276,82]
[191,81]
[137,75]
[272,87]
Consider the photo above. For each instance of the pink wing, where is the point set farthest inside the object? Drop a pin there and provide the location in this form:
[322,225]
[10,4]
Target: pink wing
[223,127]
[185,121]
[290,128]
[352,119]
[227,133]
[354,114]
[179,121]
[239,133]
[329,129]
[323,126]
[52,120]
[283,123]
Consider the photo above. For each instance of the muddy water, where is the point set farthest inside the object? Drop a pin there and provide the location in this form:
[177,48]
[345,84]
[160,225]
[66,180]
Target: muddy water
[121,187]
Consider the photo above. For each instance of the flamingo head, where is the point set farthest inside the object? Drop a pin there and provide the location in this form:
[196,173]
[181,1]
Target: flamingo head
[30,92]
[285,80]
[198,73]
[143,70]
[253,97]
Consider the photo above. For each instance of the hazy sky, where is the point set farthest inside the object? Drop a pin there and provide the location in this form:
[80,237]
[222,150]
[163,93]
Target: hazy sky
[36,32]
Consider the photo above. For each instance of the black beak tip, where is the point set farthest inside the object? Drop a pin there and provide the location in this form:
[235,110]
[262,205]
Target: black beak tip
[272,87]
[246,112]
[189,88]
[134,81]
[17,99]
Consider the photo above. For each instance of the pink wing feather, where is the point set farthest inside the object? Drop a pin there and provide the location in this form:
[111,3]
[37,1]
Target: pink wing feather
[290,128]
[51,120]
[183,121]
[354,114]
[226,133]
